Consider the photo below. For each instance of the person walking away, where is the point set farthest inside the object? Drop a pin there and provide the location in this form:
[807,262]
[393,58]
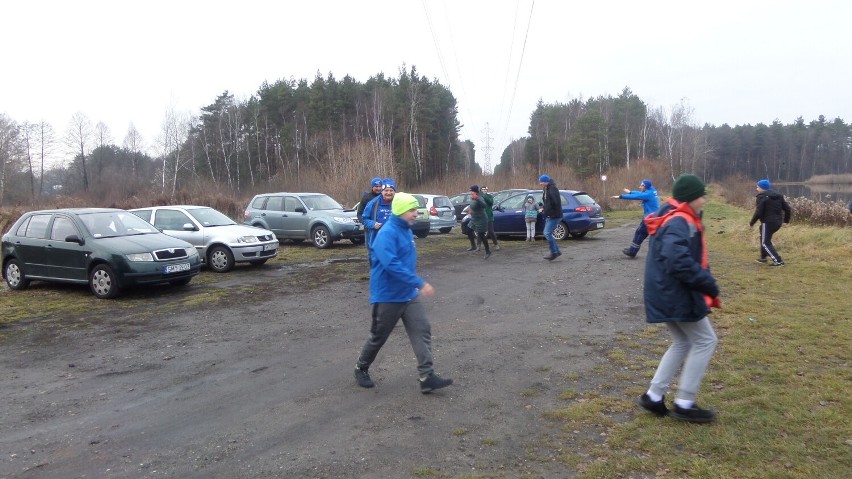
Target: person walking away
[479,220]
[679,291]
[375,190]
[530,216]
[395,292]
[647,194]
[773,212]
[551,208]
[489,213]
[376,214]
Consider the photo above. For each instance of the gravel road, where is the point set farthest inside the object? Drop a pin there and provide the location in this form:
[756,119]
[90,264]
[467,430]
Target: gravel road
[260,385]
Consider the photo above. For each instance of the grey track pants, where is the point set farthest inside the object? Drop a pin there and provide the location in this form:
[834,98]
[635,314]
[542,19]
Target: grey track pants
[385,317]
[692,346]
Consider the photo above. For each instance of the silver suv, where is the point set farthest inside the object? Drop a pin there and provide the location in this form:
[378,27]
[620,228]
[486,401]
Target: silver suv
[301,216]
[220,241]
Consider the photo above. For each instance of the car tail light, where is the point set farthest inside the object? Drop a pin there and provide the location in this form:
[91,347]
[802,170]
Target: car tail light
[246,214]
[433,211]
[583,209]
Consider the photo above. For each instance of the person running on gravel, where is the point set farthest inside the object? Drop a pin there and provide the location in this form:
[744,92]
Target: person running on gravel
[395,291]
[647,194]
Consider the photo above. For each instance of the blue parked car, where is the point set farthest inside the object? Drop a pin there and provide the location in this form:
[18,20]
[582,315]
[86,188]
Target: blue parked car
[581,214]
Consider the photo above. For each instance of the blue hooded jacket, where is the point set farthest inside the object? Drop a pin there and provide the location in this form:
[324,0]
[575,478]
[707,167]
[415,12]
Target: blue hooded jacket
[373,214]
[650,200]
[393,276]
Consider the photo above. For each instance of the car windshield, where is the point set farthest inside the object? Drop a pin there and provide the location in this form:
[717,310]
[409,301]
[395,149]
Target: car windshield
[502,195]
[321,202]
[210,217]
[115,223]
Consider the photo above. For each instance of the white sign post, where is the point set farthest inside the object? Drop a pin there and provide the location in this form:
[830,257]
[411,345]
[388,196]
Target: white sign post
[603,179]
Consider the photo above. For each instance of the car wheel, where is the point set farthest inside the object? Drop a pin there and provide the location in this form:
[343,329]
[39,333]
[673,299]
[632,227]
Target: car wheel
[422,234]
[180,282]
[320,237]
[357,240]
[445,230]
[579,234]
[560,232]
[258,262]
[103,282]
[15,275]
[220,259]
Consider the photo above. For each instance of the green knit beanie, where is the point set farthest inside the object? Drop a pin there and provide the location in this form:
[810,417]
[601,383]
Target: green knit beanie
[688,188]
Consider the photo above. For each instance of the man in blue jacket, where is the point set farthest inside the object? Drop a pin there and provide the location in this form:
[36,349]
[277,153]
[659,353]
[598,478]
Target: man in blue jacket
[376,213]
[647,194]
[395,289]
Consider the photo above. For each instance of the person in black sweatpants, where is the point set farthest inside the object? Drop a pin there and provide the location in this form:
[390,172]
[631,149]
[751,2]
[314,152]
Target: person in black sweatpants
[773,212]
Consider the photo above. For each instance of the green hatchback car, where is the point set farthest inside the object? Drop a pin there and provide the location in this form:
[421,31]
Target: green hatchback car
[108,249]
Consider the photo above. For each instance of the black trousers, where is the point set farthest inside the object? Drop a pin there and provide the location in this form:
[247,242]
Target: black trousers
[766,246]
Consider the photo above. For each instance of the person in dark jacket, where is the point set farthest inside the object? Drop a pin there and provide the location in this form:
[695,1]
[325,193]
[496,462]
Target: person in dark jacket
[551,208]
[479,220]
[647,194]
[679,291]
[773,212]
[489,212]
[375,190]
[395,292]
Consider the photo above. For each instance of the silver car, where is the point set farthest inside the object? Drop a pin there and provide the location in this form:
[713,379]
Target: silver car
[220,241]
[442,213]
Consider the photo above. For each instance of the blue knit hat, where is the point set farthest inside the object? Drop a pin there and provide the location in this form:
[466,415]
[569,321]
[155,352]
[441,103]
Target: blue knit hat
[375,182]
[764,184]
[647,184]
[544,179]
[388,183]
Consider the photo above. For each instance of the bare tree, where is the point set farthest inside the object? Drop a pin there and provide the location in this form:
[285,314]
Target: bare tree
[173,137]
[78,138]
[9,149]
[133,144]
[45,138]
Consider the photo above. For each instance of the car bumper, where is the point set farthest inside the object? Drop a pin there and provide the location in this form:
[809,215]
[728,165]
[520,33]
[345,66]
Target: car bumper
[255,251]
[154,272]
[436,224]
[347,232]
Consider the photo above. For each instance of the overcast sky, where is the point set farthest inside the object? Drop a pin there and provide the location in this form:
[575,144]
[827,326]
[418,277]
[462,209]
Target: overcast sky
[734,62]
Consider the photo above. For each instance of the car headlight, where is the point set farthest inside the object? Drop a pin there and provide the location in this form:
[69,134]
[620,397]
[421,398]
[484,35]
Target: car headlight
[191,251]
[344,219]
[247,239]
[140,257]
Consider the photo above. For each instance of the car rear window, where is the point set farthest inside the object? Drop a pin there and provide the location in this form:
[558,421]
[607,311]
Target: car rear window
[584,199]
[442,201]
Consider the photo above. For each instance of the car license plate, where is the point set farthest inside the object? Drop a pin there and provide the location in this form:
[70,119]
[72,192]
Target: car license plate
[599,225]
[270,247]
[175,268]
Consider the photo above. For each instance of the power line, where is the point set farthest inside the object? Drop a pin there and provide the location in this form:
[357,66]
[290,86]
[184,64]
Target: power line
[515,89]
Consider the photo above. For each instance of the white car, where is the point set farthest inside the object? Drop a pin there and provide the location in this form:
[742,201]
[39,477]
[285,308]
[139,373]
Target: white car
[220,241]
[442,213]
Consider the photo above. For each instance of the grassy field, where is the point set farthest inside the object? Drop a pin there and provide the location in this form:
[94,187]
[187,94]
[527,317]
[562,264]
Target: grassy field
[780,378]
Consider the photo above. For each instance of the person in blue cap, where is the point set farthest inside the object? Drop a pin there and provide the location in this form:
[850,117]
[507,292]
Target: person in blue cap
[376,213]
[773,212]
[647,194]
[375,190]
[551,208]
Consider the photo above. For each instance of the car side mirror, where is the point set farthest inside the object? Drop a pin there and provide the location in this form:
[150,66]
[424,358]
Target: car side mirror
[300,209]
[74,239]
[189,227]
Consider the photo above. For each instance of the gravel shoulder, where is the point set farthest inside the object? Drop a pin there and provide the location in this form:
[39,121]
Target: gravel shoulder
[260,384]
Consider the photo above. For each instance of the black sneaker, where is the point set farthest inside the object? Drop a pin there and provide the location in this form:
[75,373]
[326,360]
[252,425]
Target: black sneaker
[777,263]
[363,378]
[487,255]
[496,246]
[658,408]
[761,260]
[433,382]
[628,253]
[693,414]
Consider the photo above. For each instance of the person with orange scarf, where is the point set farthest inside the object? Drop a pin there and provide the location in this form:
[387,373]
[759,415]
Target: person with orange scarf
[680,291]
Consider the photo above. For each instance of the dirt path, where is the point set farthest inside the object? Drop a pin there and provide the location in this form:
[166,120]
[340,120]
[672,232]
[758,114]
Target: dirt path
[262,386]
